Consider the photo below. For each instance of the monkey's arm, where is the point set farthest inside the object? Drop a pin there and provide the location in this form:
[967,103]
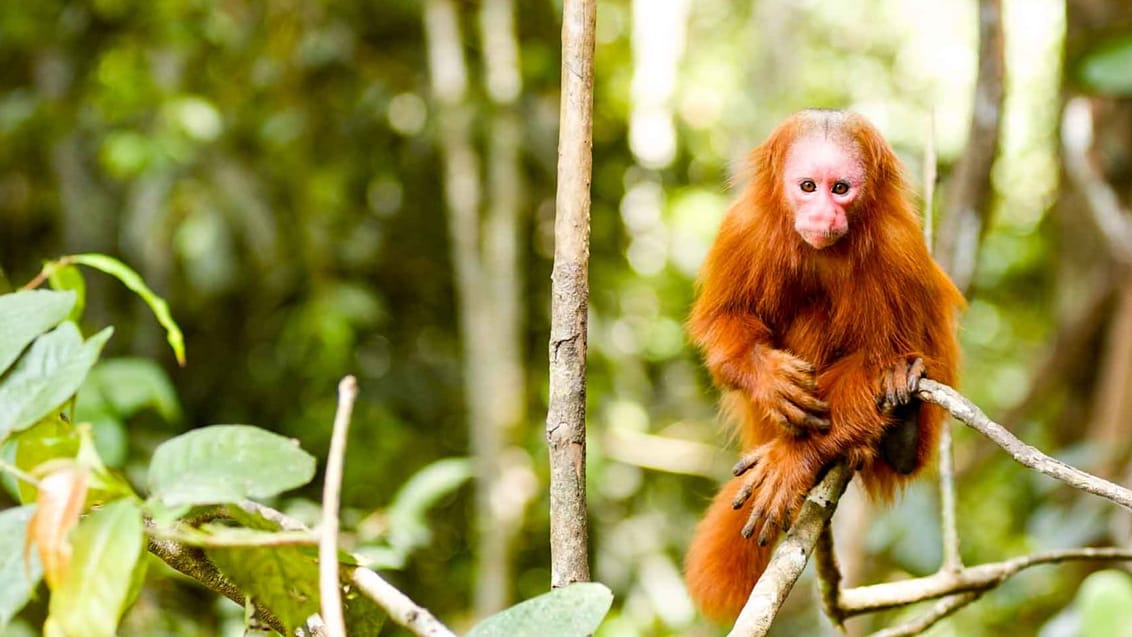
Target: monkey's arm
[780,386]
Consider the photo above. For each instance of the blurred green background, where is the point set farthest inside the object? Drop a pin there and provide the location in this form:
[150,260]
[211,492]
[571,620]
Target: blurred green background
[321,188]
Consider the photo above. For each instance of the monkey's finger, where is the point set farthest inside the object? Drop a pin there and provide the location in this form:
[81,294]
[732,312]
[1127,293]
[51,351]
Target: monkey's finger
[770,529]
[889,389]
[752,522]
[900,373]
[742,496]
[820,424]
[746,462]
[915,373]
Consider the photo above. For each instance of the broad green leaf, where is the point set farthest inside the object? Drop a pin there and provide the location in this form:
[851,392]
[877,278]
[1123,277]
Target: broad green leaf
[47,375]
[68,278]
[25,315]
[284,578]
[108,547]
[227,463]
[127,386]
[572,611]
[1107,68]
[1105,604]
[18,578]
[134,282]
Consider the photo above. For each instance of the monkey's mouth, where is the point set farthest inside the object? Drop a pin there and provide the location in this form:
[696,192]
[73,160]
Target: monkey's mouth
[820,239]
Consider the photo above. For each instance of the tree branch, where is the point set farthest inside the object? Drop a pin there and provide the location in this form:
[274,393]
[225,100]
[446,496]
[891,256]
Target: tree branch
[566,412]
[971,415]
[867,599]
[942,609]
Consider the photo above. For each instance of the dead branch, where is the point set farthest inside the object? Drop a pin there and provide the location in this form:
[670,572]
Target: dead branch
[566,413]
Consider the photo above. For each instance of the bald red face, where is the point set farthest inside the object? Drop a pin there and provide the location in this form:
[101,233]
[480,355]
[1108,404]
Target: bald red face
[823,177]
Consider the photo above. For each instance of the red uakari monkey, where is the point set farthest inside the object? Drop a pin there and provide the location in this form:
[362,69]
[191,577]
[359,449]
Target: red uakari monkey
[819,309]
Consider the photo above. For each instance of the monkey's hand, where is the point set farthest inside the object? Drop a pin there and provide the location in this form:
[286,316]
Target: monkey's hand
[899,382]
[782,386]
[779,474]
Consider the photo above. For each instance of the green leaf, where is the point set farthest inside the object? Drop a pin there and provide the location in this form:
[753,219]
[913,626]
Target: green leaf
[1107,68]
[47,375]
[50,438]
[134,282]
[227,463]
[284,578]
[408,523]
[25,315]
[108,548]
[1105,604]
[68,278]
[130,385]
[18,578]
[572,611]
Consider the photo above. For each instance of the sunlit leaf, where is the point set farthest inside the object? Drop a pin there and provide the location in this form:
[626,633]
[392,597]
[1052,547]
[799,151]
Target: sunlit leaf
[108,548]
[49,439]
[49,373]
[59,503]
[572,611]
[68,278]
[227,463]
[134,282]
[25,315]
[20,571]
[408,512]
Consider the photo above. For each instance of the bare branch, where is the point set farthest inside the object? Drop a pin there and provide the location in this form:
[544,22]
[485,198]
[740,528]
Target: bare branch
[191,561]
[829,576]
[401,609]
[943,608]
[866,599]
[791,555]
[566,413]
[1023,453]
[330,591]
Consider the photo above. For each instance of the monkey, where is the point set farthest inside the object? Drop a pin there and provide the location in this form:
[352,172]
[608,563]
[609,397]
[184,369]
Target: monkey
[819,309]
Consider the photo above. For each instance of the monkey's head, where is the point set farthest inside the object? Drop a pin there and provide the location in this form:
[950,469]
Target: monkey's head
[821,164]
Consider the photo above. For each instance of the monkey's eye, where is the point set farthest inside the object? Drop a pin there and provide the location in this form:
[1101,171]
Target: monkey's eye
[808,185]
[840,188]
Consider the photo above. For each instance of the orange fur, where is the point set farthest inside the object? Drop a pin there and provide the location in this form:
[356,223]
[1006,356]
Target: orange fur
[872,300]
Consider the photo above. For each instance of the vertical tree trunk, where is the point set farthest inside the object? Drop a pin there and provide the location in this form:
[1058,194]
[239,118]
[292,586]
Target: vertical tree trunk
[566,414]
[485,260]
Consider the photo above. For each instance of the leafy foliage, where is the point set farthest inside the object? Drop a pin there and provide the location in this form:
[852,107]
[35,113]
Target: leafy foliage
[571,611]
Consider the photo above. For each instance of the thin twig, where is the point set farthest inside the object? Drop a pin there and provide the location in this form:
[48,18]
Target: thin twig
[829,576]
[971,415]
[566,411]
[941,609]
[791,555]
[401,609]
[867,599]
[952,561]
[330,591]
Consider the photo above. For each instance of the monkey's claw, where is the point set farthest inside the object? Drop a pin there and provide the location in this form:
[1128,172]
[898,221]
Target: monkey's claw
[900,382]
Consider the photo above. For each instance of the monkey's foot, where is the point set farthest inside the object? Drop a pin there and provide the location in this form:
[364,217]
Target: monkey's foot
[778,476]
[899,382]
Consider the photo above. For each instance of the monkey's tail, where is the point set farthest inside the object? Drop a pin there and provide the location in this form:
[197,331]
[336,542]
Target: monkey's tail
[722,566]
